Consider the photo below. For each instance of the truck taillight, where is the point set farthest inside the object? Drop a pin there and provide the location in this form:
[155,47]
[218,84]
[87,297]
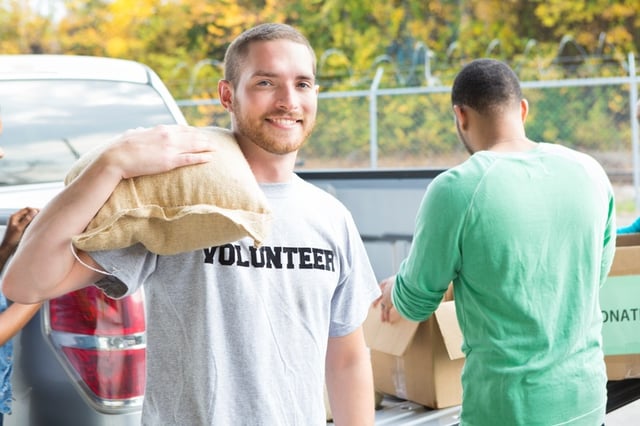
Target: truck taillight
[101,342]
[110,374]
[89,311]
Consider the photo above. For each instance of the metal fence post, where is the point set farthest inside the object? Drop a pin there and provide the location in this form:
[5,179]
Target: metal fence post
[633,101]
[373,118]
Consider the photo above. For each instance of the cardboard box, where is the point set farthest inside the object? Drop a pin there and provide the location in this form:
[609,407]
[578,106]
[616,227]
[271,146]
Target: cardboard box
[620,305]
[422,362]
[418,361]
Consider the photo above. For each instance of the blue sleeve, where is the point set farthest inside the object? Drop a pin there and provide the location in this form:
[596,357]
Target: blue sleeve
[633,228]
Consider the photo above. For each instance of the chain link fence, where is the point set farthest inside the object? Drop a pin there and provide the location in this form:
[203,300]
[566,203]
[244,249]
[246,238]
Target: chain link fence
[413,126]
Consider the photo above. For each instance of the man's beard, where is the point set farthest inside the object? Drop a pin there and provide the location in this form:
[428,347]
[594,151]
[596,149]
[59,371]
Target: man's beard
[258,132]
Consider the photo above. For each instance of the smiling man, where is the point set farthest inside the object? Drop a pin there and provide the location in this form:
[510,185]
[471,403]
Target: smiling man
[232,342]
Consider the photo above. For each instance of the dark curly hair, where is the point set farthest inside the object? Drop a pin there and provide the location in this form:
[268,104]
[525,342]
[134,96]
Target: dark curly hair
[487,86]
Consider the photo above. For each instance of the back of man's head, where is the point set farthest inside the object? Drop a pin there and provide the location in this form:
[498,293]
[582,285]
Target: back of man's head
[486,85]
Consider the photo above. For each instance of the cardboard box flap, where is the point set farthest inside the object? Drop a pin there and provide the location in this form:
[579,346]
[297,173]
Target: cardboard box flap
[449,328]
[625,261]
[391,338]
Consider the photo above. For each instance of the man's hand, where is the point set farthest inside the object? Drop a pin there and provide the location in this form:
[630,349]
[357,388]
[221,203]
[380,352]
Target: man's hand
[148,151]
[16,225]
[387,311]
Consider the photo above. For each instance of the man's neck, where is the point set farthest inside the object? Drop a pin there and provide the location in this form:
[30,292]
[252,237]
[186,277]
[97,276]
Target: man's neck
[519,144]
[273,168]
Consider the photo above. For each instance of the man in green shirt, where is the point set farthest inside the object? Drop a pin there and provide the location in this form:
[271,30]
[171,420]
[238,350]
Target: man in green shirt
[526,233]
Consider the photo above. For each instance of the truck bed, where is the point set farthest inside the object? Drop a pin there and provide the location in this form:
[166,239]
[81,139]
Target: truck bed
[396,411]
[623,409]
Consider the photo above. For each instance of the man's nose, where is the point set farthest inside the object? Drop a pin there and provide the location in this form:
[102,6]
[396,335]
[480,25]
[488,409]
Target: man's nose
[287,98]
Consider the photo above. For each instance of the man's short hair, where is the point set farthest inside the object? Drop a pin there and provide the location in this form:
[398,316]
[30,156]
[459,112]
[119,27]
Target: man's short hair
[487,86]
[237,50]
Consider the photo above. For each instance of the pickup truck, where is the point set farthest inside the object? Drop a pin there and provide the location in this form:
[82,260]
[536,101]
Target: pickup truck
[80,361]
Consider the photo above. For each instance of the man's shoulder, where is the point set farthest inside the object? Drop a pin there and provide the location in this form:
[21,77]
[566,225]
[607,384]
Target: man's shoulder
[470,169]
[583,159]
[565,151]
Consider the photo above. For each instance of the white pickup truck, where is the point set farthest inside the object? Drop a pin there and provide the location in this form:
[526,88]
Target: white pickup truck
[81,360]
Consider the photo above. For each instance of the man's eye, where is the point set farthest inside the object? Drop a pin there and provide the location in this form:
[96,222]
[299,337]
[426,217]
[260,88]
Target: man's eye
[305,85]
[264,83]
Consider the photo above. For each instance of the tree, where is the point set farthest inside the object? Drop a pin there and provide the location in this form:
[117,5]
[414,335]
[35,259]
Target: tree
[22,30]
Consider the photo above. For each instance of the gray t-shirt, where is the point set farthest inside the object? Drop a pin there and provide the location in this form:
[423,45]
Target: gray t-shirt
[238,335]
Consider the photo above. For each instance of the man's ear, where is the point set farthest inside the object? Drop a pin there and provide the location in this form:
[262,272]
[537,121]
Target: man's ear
[461,116]
[225,94]
[524,109]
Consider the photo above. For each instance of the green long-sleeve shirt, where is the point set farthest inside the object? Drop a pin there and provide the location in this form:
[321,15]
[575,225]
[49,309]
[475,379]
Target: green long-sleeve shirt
[527,239]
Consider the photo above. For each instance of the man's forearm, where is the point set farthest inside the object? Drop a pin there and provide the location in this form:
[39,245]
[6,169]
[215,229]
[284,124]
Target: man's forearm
[44,266]
[43,259]
[349,380]
[352,396]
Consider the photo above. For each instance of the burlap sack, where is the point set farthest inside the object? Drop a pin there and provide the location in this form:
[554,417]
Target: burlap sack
[186,209]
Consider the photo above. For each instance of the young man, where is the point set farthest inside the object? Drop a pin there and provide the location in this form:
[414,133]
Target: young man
[526,232]
[231,344]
